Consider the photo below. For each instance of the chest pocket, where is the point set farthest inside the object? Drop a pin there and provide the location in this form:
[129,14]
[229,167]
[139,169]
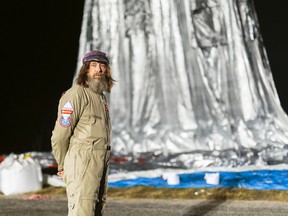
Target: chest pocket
[92,119]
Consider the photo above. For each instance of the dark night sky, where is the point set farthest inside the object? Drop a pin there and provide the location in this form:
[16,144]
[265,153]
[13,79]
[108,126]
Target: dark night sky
[39,52]
[41,41]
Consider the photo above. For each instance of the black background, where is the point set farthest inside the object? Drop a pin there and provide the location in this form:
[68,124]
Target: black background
[40,41]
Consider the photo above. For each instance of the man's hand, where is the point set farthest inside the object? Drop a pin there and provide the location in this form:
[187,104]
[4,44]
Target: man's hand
[60,174]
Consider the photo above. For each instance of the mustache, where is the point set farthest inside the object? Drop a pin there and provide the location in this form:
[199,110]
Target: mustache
[99,75]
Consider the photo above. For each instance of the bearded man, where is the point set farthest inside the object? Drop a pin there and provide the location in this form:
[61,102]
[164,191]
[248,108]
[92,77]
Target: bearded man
[82,135]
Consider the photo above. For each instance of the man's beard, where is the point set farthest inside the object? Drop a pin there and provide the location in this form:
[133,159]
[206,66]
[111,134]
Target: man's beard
[98,86]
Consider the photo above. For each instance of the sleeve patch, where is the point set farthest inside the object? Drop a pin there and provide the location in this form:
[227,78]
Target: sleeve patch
[66,111]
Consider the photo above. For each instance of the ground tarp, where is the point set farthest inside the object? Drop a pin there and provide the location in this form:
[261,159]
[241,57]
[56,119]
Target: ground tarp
[251,179]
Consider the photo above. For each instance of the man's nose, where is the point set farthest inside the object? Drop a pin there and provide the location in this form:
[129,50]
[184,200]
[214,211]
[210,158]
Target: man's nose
[99,69]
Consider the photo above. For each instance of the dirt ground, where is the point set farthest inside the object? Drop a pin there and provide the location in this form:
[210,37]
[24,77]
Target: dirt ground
[143,192]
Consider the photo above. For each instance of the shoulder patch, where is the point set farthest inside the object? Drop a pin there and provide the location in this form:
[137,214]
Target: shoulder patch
[66,111]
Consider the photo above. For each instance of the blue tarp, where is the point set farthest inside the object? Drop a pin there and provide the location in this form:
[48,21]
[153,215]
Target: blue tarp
[256,179]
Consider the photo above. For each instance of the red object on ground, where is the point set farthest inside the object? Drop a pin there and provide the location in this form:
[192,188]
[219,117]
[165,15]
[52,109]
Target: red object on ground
[53,166]
[141,159]
[38,197]
[2,157]
[119,159]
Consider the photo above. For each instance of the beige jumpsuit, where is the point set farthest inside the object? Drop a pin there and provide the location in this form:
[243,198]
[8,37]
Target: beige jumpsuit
[81,146]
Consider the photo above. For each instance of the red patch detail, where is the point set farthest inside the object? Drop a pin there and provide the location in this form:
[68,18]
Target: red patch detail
[65,122]
[66,111]
[106,107]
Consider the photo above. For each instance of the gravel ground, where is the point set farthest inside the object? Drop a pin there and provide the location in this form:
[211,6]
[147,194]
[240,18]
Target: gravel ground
[56,206]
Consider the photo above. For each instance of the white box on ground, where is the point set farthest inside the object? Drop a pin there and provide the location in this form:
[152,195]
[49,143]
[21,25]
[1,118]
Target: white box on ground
[212,178]
[20,176]
[172,178]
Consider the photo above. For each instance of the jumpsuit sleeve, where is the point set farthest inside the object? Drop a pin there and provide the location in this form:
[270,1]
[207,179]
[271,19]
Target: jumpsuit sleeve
[69,111]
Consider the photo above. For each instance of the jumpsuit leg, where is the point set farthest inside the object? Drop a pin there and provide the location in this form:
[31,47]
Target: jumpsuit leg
[84,183]
[100,205]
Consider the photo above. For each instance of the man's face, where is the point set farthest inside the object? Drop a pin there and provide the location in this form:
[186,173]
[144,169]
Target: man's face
[97,70]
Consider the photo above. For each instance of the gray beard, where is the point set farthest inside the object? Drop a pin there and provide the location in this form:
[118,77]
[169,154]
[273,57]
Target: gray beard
[97,86]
